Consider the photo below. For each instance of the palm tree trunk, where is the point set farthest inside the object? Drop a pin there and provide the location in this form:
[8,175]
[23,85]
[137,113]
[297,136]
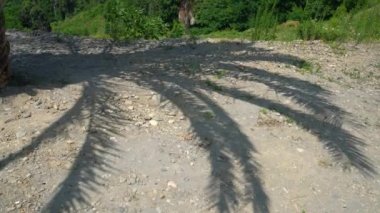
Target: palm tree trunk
[185,13]
[4,49]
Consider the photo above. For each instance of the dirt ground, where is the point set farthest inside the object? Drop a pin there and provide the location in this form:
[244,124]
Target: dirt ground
[189,126]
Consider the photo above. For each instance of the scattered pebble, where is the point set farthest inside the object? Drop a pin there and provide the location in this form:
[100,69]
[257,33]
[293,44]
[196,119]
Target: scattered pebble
[153,122]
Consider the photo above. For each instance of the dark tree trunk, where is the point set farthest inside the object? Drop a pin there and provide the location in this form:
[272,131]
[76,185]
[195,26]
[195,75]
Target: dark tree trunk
[4,49]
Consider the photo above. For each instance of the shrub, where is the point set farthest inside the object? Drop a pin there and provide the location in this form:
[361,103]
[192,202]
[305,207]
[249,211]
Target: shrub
[309,30]
[265,21]
[126,22]
[177,30]
[223,14]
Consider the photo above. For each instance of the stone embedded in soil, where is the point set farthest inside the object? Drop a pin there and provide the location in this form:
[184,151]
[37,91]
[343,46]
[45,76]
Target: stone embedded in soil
[172,184]
[26,114]
[156,99]
[20,133]
[153,122]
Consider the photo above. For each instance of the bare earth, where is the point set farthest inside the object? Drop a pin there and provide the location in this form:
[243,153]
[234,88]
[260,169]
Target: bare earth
[176,126]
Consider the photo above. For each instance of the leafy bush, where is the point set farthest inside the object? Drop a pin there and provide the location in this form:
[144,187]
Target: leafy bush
[11,12]
[223,14]
[177,30]
[126,22]
[36,14]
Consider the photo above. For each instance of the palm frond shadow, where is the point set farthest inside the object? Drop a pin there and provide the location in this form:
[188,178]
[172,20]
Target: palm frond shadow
[104,123]
[166,71]
[221,138]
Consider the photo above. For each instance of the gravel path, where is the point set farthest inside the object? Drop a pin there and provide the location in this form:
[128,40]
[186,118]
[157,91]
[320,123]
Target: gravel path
[174,126]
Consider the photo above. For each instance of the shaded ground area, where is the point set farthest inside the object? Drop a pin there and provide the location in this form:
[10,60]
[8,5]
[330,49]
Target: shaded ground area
[171,126]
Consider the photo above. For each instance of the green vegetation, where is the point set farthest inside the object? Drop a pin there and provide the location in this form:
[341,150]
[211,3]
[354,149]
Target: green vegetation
[85,23]
[264,111]
[221,73]
[214,86]
[286,20]
[208,115]
[125,21]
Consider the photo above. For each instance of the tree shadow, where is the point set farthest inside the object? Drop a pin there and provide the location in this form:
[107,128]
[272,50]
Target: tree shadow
[176,71]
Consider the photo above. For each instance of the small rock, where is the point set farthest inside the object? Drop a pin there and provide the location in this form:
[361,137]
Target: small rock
[172,113]
[171,121]
[20,133]
[139,123]
[172,184]
[131,108]
[26,114]
[10,209]
[148,117]
[153,122]
[67,165]
[122,179]
[69,141]
[38,102]
[300,150]
[156,99]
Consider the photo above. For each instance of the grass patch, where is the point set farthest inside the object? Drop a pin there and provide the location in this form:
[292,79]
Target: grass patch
[305,67]
[87,23]
[287,31]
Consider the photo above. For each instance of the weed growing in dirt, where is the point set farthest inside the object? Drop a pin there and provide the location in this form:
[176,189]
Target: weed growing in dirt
[264,111]
[306,67]
[290,120]
[208,115]
[193,69]
[337,48]
[213,85]
[221,73]
[353,74]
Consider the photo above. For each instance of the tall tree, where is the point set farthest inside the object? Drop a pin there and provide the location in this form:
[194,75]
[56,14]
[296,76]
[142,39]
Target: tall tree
[4,49]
